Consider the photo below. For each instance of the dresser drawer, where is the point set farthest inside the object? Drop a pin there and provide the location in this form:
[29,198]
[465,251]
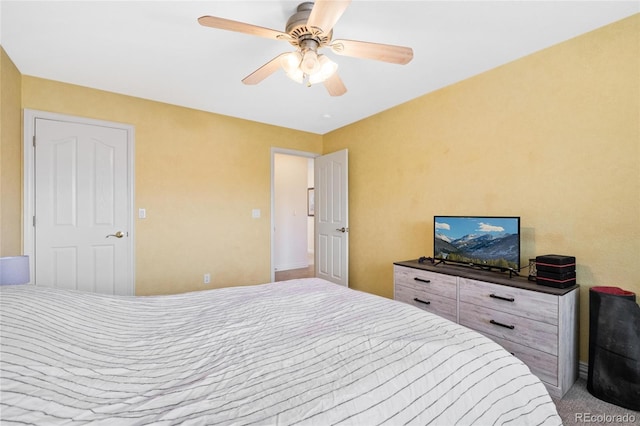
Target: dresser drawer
[542,364]
[529,304]
[440,284]
[431,302]
[534,334]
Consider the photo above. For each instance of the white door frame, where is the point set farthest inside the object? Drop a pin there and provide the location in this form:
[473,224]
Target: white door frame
[28,186]
[275,151]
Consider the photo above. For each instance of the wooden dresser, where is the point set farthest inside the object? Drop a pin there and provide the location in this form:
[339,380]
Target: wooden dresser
[537,324]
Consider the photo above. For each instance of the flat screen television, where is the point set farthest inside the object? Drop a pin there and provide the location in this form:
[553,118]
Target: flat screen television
[491,242]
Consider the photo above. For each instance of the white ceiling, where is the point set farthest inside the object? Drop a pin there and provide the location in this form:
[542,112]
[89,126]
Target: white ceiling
[157,50]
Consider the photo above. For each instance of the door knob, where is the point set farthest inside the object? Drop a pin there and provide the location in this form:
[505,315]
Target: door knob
[118,234]
[343,229]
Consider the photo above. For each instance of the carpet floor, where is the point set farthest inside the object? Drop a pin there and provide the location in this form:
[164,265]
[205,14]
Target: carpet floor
[578,406]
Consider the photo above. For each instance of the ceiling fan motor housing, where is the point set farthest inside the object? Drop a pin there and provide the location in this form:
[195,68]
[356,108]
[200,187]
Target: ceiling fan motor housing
[299,31]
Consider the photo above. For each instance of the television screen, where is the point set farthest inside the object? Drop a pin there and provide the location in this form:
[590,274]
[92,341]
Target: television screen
[487,241]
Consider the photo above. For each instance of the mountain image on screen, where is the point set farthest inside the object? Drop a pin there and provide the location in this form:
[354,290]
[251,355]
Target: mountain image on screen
[487,241]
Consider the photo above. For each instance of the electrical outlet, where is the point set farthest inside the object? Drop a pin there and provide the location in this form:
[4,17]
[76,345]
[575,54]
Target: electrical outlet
[207,278]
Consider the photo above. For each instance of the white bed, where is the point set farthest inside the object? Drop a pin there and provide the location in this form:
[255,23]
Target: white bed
[294,352]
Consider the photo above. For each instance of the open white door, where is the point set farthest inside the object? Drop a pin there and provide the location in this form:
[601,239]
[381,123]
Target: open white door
[332,217]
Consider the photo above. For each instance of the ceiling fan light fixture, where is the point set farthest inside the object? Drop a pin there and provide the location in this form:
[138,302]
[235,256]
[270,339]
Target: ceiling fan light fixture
[291,61]
[308,30]
[327,69]
[296,75]
[310,64]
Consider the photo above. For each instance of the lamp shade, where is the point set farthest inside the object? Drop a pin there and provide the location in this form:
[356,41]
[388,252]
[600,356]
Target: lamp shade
[14,270]
[296,75]
[327,69]
[290,61]
[310,64]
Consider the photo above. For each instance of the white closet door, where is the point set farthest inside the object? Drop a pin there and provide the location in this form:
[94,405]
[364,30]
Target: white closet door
[82,207]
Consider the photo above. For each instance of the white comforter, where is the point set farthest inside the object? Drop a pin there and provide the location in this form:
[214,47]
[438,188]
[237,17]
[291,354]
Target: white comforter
[296,352]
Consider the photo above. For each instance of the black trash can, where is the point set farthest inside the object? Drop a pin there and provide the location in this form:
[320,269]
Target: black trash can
[614,346]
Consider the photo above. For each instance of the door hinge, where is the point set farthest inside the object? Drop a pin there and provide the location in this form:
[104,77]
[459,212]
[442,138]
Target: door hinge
[34,221]
[34,141]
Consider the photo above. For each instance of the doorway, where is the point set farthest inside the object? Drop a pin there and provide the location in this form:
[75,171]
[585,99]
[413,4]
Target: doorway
[293,241]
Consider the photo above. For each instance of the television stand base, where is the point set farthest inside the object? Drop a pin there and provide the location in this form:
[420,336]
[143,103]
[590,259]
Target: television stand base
[438,261]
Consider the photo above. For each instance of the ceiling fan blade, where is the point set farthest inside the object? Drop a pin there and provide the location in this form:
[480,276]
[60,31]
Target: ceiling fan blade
[379,52]
[325,14]
[241,27]
[334,85]
[264,71]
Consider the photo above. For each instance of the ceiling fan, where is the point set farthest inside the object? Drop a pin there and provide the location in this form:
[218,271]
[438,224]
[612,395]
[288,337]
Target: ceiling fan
[309,29]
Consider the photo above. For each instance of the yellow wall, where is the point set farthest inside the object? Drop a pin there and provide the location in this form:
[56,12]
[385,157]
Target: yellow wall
[553,138]
[198,175]
[10,158]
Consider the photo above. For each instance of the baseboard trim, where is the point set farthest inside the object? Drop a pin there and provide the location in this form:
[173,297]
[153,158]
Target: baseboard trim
[583,370]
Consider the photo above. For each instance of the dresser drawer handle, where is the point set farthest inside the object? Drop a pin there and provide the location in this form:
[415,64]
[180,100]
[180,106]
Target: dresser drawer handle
[422,280]
[508,299]
[511,327]
[421,301]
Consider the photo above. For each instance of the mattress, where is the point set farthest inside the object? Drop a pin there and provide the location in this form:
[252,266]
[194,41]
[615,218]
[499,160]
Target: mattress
[296,352]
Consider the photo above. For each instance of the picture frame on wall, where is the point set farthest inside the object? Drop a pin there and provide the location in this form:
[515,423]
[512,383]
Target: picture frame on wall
[311,205]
